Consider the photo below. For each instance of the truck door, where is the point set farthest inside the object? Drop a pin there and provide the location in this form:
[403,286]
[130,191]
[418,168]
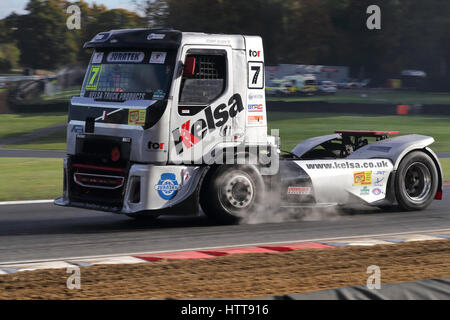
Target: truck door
[204,104]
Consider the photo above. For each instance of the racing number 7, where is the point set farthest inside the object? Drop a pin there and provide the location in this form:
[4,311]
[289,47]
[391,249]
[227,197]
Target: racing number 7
[93,77]
[257,69]
[94,71]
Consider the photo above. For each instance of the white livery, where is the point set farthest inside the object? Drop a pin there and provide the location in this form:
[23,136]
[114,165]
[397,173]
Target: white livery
[169,121]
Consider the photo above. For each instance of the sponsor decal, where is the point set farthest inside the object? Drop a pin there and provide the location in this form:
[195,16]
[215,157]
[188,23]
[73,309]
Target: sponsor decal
[156,36]
[94,76]
[380,173]
[189,134]
[133,57]
[158,95]
[255,108]
[299,190]
[116,96]
[348,165]
[185,175]
[156,145]
[158,57]
[254,53]
[362,178]
[255,96]
[167,186]
[255,119]
[136,117]
[364,191]
[378,181]
[376,191]
[100,36]
[97,57]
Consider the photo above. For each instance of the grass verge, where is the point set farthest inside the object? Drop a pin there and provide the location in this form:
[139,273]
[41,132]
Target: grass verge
[36,178]
[30,178]
[54,141]
[372,96]
[18,124]
[295,127]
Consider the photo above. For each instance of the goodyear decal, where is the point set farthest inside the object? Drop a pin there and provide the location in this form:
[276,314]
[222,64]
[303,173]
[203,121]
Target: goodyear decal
[136,117]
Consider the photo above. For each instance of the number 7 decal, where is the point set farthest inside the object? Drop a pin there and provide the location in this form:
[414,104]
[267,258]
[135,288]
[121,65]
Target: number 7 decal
[94,76]
[255,75]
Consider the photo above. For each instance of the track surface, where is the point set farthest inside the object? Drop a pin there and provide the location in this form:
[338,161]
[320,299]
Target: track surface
[44,231]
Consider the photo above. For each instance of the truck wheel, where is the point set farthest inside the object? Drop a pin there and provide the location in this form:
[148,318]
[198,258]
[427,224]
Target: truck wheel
[231,193]
[416,181]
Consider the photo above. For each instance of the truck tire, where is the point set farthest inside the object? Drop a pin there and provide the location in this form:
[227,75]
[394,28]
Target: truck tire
[416,181]
[231,193]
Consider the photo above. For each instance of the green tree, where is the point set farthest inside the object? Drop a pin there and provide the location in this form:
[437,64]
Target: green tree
[42,36]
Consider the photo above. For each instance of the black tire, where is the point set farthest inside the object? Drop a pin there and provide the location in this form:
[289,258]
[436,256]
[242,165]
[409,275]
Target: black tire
[231,193]
[416,181]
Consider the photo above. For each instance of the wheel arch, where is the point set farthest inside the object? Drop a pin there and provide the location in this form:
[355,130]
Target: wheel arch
[435,159]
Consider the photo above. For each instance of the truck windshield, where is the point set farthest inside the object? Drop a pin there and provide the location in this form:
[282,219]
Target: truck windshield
[125,75]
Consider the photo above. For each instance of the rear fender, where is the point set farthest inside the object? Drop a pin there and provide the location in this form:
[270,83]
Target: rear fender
[395,149]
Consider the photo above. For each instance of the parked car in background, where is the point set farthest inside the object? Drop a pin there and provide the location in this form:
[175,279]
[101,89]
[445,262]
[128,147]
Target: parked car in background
[327,87]
[274,87]
[300,84]
[353,84]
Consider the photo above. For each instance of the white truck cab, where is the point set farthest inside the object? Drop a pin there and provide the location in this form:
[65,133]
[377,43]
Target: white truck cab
[155,105]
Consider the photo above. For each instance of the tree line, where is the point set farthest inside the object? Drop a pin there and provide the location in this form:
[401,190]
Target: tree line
[413,35]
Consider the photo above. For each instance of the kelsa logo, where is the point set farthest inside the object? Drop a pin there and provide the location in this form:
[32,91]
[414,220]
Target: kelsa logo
[167,186]
[190,134]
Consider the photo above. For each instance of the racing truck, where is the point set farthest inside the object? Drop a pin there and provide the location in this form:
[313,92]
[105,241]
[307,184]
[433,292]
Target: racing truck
[168,122]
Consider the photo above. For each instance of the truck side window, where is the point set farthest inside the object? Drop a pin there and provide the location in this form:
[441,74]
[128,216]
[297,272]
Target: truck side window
[208,81]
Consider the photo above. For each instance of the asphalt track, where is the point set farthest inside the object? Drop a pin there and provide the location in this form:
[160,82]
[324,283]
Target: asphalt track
[32,232]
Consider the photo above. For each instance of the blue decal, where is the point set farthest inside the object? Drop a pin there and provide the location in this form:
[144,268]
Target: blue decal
[376,191]
[167,186]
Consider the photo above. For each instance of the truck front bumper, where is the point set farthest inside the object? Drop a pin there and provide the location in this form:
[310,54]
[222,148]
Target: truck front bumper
[146,188]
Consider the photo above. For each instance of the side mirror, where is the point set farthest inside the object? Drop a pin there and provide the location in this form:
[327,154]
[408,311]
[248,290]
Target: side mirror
[189,66]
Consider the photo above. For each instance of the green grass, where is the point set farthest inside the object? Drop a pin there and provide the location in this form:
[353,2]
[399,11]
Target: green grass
[445,163]
[29,178]
[61,95]
[367,96]
[17,124]
[296,127]
[55,141]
